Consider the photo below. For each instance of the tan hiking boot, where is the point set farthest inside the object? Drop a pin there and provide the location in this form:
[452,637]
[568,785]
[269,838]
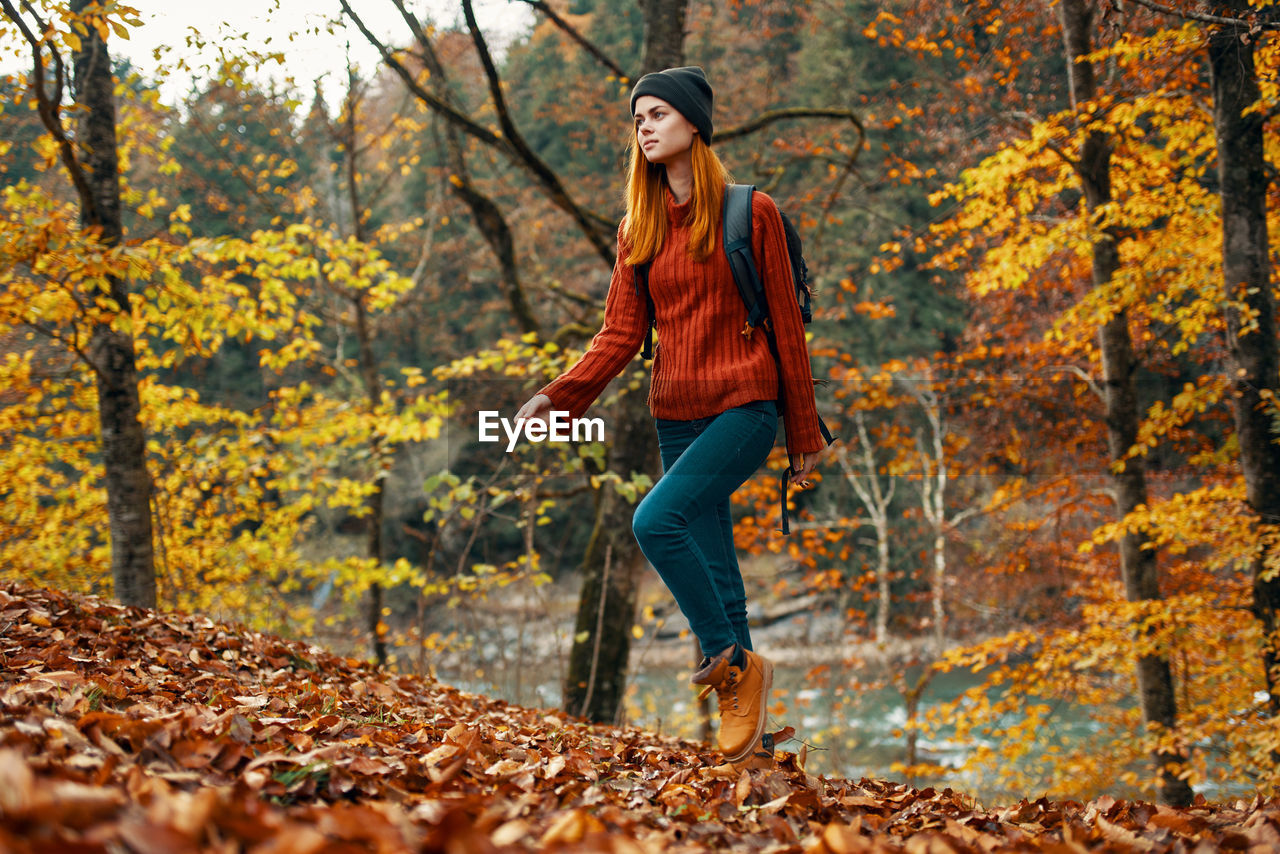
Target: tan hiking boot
[759,758]
[710,671]
[743,694]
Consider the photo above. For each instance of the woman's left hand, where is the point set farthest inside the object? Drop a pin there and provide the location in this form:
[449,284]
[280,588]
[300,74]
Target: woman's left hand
[801,466]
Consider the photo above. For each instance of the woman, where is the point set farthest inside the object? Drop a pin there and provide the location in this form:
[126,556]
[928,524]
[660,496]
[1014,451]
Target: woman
[714,393]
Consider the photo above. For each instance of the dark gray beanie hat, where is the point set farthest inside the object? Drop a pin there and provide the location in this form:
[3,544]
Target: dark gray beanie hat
[686,89]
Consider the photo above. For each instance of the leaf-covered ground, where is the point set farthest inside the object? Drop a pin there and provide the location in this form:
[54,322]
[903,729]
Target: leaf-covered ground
[131,731]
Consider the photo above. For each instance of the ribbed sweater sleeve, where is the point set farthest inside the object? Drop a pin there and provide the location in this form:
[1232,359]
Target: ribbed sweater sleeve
[800,411]
[617,342]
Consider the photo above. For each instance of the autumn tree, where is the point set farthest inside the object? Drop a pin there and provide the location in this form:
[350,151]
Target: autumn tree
[1033,226]
[88,154]
[1249,303]
[1119,367]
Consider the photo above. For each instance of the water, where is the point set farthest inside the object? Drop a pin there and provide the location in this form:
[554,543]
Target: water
[849,731]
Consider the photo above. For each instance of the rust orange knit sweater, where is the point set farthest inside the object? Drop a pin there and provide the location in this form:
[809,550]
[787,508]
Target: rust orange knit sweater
[703,364]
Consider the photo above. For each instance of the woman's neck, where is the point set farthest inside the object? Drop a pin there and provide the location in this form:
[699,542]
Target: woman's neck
[680,178]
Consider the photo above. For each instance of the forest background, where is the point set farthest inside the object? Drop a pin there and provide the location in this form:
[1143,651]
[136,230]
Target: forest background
[244,380]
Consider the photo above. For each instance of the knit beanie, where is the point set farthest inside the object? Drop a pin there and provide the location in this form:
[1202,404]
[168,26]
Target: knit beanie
[686,89]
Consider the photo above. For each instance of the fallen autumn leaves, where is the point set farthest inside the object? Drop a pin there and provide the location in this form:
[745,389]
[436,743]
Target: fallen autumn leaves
[128,730]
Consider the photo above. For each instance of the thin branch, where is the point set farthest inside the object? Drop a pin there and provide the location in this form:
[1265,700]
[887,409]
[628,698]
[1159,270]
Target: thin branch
[455,116]
[1084,377]
[590,225]
[767,118]
[598,237]
[485,212]
[574,332]
[72,344]
[50,111]
[1206,18]
[1030,120]
[59,71]
[578,37]
[573,296]
[26,4]
[415,26]
[238,171]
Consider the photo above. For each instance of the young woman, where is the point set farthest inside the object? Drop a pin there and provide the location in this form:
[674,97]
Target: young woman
[714,393]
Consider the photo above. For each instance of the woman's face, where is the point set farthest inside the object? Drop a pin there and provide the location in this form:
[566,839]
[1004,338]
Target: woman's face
[662,133]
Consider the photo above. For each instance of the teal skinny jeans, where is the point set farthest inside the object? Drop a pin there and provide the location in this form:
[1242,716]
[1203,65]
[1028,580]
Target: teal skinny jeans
[684,525]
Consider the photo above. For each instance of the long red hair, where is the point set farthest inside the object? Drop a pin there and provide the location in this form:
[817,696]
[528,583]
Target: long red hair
[646,225]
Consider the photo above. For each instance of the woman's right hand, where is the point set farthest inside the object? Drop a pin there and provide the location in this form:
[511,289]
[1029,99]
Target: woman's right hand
[536,408]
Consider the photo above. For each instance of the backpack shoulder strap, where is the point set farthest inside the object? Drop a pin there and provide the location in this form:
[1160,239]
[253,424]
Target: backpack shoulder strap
[737,224]
[641,272]
[737,215]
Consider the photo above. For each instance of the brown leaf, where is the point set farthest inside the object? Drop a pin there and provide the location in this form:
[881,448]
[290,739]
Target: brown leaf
[17,784]
[570,827]
[369,765]
[294,839]
[840,839]
[1116,833]
[510,833]
[64,803]
[146,838]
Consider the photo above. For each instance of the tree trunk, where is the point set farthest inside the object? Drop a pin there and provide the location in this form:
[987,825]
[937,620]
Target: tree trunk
[485,213]
[933,499]
[597,674]
[663,34]
[883,589]
[876,501]
[111,350]
[937,587]
[1137,564]
[935,507]
[1249,306]
[368,376]
[912,694]
[376,500]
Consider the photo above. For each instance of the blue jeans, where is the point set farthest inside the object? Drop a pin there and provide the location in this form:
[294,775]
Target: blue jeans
[684,526]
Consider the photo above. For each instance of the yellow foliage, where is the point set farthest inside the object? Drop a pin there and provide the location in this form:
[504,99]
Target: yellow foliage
[1021,225]
[233,491]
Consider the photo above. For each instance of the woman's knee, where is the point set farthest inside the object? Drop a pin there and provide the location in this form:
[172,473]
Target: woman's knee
[652,521]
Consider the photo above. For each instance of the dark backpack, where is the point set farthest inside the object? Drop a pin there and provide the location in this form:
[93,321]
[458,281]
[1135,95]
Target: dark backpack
[737,246]
[736,220]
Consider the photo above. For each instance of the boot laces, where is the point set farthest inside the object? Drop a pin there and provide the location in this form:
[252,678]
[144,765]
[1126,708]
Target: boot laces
[727,691]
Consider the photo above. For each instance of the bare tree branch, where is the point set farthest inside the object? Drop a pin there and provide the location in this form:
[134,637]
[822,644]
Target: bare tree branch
[438,104]
[598,229]
[573,296]
[1206,18]
[1083,377]
[569,30]
[49,109]
[591,226]
[59,75]
[765,119]
[549,179]
[71,343]
[486,213]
